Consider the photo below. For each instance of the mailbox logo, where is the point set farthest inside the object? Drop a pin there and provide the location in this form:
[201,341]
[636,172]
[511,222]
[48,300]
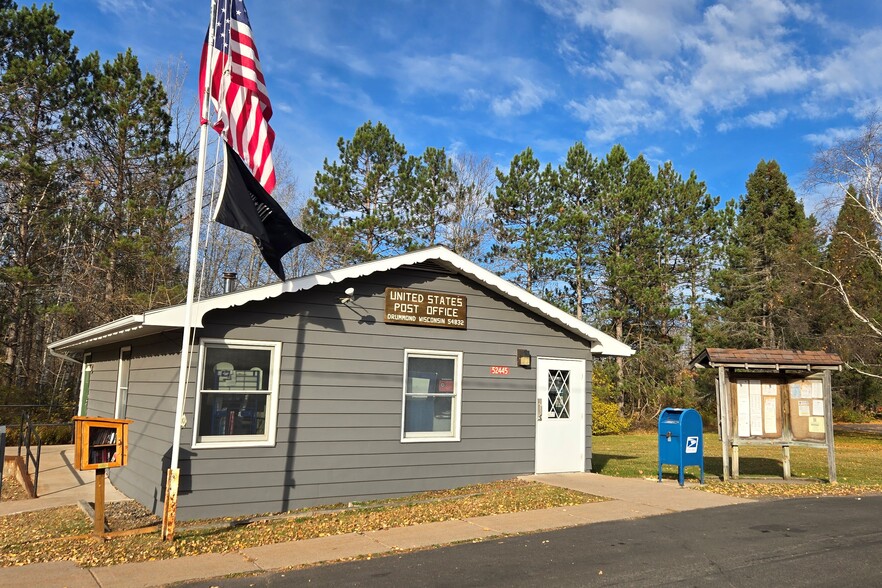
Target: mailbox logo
[691,444]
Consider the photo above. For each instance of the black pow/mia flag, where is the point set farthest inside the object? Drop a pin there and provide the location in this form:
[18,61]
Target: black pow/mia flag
[247,207]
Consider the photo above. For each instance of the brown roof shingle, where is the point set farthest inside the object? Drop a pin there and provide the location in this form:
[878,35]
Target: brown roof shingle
[770,357]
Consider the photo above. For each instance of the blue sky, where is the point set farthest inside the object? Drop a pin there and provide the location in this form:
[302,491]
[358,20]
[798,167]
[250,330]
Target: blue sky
[710,86]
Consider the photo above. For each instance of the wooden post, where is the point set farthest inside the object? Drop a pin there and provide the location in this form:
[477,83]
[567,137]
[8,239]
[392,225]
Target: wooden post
[99,501]
[170,506]
[735,465]
[723,407]
[786,462]
[828,426]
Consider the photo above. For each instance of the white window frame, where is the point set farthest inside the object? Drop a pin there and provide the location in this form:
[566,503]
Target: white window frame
[123,377]
[456,405]
[218,441]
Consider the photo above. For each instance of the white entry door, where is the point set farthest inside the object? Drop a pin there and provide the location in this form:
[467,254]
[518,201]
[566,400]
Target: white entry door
[560,415]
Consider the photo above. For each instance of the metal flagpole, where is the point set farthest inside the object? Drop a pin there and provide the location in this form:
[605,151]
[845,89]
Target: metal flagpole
[170,506]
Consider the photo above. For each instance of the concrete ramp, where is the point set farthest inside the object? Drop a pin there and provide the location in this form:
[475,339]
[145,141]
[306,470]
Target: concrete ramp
[667,496]
[60,484]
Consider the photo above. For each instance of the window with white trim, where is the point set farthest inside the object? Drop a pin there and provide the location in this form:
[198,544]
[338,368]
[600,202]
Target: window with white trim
[122,382]
[432,395]
[237,393]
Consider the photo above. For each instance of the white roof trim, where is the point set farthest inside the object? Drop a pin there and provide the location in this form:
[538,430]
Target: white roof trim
[173,317]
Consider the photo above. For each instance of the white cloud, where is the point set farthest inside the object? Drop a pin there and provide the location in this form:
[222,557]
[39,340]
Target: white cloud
[313,27]
[832,136]
[527,97]
[344,94]
[442,73]
[674,64]
[612,118]
[761,119]
[515,89]
[766,118]
[646,24]
[121,7]
[847,72]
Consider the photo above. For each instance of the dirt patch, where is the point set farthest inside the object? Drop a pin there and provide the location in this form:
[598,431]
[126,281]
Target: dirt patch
[127,515]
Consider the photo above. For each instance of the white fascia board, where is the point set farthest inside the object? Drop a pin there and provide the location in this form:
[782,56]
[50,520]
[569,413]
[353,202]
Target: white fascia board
[119,326]
[604,344]
[173,317]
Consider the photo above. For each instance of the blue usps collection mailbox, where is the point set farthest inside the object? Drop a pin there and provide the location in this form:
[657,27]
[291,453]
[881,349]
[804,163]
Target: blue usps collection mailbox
[680,440]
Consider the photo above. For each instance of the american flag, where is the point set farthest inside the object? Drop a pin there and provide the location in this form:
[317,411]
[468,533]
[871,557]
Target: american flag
[238,91]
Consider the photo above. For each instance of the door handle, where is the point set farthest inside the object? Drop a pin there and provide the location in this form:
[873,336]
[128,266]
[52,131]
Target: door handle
[538,409]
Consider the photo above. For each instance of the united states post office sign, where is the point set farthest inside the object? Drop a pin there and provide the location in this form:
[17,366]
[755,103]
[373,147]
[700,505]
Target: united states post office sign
[425,309]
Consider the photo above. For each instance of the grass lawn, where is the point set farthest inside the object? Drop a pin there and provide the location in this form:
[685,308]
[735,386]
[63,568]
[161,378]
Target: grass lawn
[59,534]
[858,464]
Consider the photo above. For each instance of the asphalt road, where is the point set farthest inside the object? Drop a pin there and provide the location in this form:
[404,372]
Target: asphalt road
[802,542]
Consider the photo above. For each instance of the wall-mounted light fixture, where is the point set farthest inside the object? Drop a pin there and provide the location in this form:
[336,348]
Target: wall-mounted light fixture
[350,296]
[524,359]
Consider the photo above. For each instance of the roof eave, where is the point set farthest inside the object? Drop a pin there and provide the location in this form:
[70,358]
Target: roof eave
[105,331]
[807,367]
[173,317]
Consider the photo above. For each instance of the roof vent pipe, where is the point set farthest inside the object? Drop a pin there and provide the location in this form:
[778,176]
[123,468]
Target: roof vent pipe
[229,282]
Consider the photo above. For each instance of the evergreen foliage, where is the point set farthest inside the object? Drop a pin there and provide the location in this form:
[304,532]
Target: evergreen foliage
[523,216]
[375,200]
[360,200]
[92,212]
[762,288]
[575,233]
[89,202]
[852,256]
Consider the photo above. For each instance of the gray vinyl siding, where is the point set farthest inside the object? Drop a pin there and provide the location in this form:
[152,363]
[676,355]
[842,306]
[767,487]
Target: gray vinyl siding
[340,401]
[151,404]
[589,421]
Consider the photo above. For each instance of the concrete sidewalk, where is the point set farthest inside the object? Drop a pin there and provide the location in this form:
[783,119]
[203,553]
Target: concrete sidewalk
[59,483]
[629,499]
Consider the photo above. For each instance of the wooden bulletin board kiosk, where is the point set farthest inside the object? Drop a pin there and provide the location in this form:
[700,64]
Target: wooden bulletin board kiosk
[100,443]
[773,397]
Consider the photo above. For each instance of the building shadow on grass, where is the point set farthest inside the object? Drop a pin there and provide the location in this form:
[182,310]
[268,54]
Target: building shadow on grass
[713,467]
[600,460]
[763,467]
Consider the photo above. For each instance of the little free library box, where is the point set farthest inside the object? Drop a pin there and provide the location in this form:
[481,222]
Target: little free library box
[418,372]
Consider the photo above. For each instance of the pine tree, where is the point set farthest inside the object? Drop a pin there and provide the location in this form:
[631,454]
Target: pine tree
[433,187]
[41,101]
[360,202]
[690,243]
[852,256]
[524,214]
[574,236]
[761,291]
[132,173]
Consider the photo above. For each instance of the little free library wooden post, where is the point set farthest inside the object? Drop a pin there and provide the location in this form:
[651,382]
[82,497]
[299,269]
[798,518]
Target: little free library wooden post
[773,397]
[100,443]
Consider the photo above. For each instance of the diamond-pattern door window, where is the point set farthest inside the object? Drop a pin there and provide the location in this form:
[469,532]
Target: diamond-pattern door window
[559,394]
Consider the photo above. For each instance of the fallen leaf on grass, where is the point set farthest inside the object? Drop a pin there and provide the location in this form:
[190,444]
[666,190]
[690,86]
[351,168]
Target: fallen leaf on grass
[22,537]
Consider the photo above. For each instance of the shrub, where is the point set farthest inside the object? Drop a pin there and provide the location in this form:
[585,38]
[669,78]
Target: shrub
[846,414]
[49,434]
[607,420]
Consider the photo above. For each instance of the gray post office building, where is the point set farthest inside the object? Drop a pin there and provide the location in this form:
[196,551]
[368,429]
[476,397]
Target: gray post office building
[417,372]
